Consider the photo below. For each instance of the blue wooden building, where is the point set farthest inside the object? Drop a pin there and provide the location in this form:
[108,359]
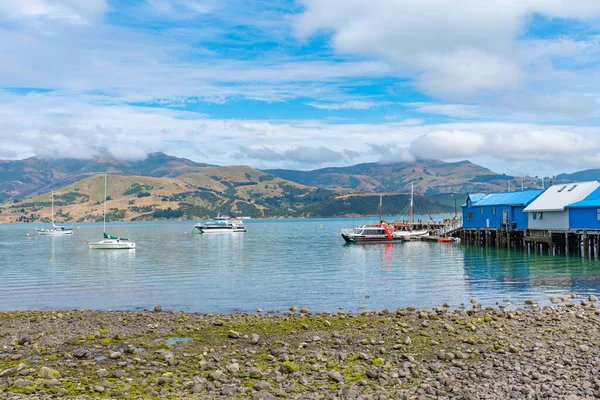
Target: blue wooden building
[585,214]
[498,210]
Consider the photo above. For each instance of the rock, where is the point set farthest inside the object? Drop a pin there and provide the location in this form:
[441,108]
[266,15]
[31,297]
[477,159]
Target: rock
[170,359]
[262,385]
[115,394]
[531,302]
[336,376]
[259,310]
[474,300]
[435,367]
[22,382]
[80,353]
[49,373]
[8,372]
[102,373]
[233,368]
[118,373]
[217,375]
[229,391]
[27,339]
[584,348]
[157,308]
[593,298]
[254,338]
[115,355]
[233,334]
[372,374]
[294,308]
[99,389]
[304,311]
[130,349]
[407,341]
[554,300]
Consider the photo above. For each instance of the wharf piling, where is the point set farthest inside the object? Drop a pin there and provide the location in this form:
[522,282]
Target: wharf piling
[580,243]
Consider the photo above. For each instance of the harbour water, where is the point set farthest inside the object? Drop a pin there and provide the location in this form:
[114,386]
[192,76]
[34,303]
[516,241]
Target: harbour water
[276,264]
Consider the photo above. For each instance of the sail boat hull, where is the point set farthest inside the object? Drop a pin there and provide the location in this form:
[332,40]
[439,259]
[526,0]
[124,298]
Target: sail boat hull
[54,232]
[111,245]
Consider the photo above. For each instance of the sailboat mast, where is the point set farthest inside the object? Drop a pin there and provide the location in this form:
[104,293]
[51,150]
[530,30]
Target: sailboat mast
[104,223]
[52,197]
[412,201]
[380,209]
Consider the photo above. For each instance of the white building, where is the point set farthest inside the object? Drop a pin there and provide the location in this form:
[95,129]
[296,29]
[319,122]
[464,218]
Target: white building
[548,211]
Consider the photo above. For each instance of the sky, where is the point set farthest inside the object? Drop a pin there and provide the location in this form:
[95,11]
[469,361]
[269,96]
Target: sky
[304,84]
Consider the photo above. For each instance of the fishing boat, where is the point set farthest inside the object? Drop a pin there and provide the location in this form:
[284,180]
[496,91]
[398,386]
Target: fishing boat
[221,224]
[110,242]
[56,230]
[381,232]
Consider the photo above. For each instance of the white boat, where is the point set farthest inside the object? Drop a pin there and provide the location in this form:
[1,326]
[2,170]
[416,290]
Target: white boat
[56,230]
[110,242]
[221,224]
[373,233]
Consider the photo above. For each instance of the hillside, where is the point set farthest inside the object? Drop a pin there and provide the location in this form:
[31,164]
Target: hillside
[580,176]
[429,176]
[368,204]
[237,190]
[35,175]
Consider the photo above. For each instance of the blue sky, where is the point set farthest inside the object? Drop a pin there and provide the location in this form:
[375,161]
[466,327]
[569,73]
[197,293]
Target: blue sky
[304,84]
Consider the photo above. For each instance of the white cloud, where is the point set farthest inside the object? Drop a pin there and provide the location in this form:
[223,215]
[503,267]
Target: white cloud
[451,49]
[73,11]
[445,145]
[348,105]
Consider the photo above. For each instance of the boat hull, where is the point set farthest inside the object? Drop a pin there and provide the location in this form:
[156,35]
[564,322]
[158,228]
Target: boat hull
[111,245]
[363,239]
[224,229]
[51,232]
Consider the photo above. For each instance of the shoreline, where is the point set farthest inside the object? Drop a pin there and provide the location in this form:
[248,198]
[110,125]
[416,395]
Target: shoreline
[349,216]
[487,352]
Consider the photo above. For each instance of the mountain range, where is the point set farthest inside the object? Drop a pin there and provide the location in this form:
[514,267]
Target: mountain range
[163,186]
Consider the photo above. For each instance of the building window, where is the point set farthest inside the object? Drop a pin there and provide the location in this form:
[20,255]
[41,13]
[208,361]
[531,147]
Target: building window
[469,203]
[481,211]
[470,217]
[494,210]
[534,215]
[571,188]
[562,188]
[540,215]
[598,214]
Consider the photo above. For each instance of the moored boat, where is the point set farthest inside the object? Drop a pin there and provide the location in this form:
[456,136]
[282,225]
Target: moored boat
[56,230]
[221,224]
[110,242]
[373,233]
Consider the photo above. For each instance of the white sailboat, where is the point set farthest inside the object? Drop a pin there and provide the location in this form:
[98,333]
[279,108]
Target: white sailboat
[110,242]
[56,230]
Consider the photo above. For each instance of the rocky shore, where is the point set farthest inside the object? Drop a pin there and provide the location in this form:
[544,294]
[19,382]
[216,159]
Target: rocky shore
[492,353]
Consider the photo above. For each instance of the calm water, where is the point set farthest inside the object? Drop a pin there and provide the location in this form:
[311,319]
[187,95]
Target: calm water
[276,264]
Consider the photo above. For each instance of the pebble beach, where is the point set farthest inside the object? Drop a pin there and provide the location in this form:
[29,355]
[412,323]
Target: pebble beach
[521,352]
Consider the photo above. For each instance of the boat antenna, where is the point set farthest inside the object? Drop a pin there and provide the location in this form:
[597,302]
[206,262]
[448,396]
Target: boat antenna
[381,209]
[104,220]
